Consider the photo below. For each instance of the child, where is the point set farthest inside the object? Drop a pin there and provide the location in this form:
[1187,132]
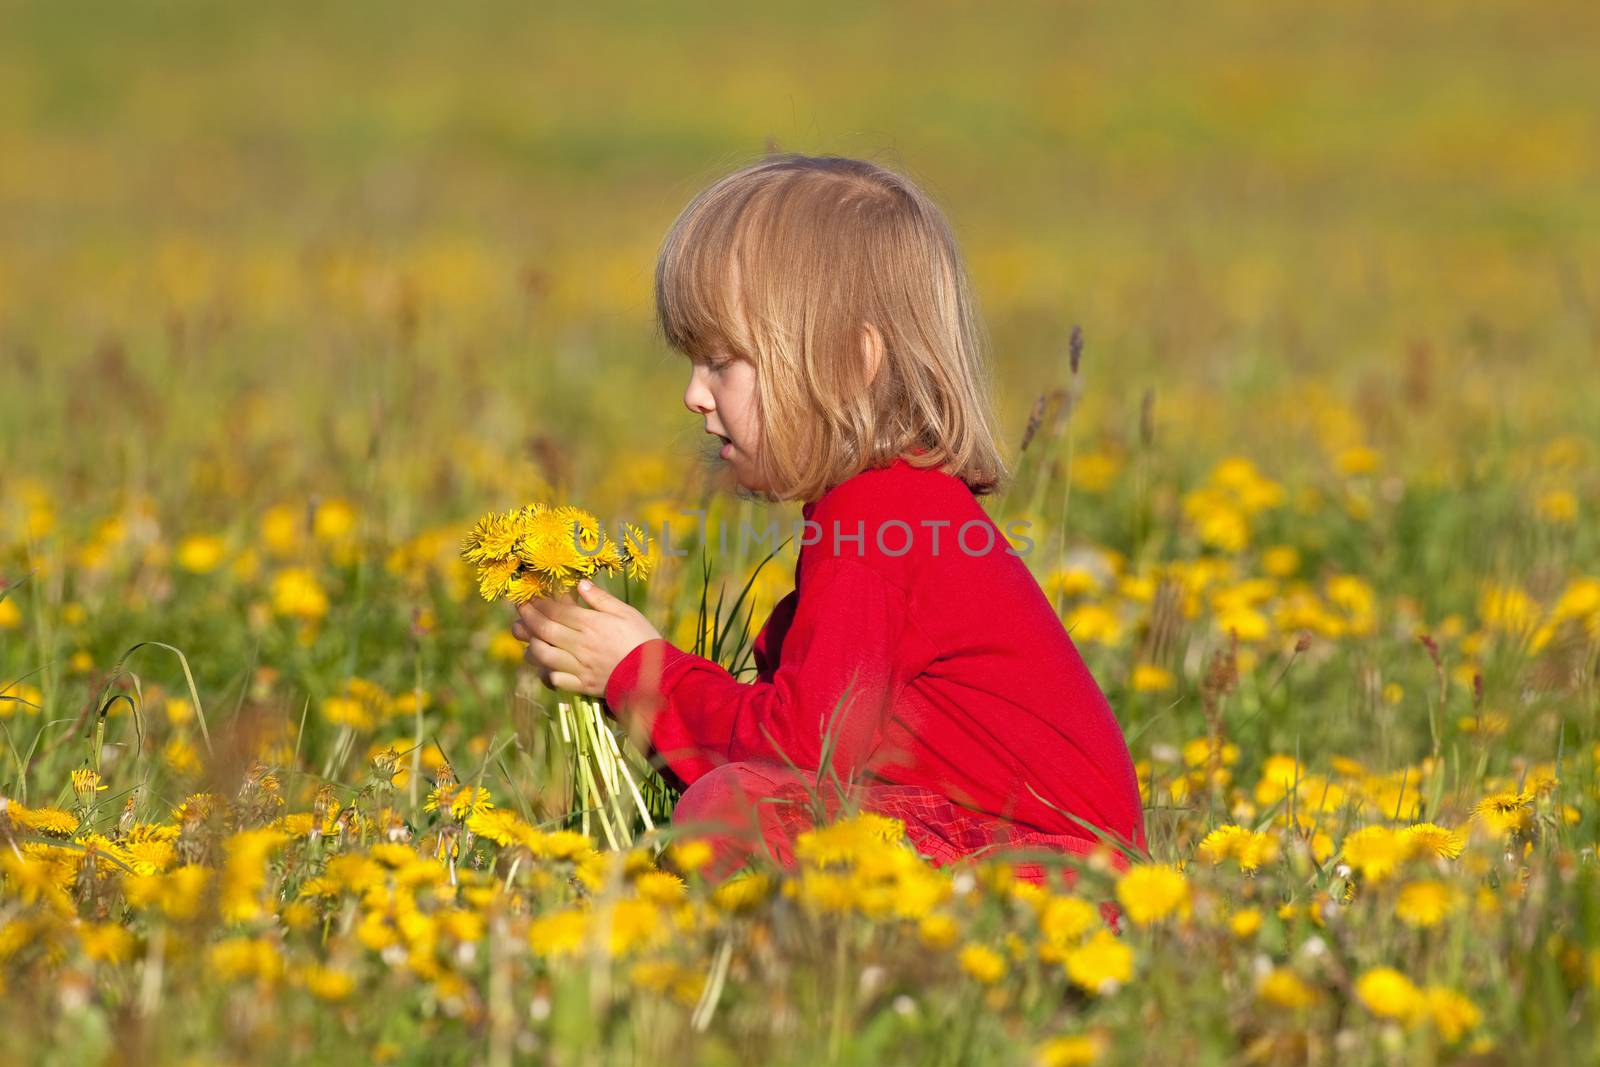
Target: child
[834,352]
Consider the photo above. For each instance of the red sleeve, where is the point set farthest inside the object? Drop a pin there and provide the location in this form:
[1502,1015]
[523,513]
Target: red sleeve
[772,635]
[849,624]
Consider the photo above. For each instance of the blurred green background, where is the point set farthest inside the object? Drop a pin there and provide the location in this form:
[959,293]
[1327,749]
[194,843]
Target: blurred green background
[292,293]
[308,224]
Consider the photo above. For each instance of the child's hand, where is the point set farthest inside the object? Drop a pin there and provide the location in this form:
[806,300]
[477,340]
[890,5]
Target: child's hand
[574,647]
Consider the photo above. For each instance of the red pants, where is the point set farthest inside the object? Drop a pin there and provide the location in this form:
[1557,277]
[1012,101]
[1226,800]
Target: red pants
[754,808]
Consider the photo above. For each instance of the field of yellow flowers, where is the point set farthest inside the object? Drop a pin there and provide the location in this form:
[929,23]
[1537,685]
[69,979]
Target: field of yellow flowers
[285,303]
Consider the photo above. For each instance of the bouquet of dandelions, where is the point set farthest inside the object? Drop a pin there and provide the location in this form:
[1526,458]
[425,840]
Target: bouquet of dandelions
[542,551]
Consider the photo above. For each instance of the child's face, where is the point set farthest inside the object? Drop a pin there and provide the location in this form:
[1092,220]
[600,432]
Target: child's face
[722,389]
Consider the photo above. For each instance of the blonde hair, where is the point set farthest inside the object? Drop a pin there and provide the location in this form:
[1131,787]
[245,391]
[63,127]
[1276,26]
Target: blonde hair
[825,245]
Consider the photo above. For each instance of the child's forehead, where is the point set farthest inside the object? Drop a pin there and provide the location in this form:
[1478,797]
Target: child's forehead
[723,324]
[712,283]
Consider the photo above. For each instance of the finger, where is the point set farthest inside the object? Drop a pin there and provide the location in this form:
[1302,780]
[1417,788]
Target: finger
[563,680]
[543,607]
[597,598]
[519,631]
[551,631]
[542,654]
[569,615]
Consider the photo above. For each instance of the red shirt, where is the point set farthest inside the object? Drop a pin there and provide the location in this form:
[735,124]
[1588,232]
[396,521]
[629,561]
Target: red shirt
[965,681]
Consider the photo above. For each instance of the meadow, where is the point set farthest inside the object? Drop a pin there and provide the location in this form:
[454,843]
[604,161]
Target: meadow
[289,297]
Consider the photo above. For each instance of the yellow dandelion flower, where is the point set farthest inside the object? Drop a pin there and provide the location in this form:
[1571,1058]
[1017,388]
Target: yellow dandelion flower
[1426,903]
[1356,460]
[462,802]
[200,553]
[982,963]
[106,942]
[1387,993]
[667,977]
[638,550]
[327,983]
[281,529]
[494,537]
[239,958]
[1094,623]
[1426,838]
[1487,724]
[1150,892]
[494,577]
[1558,506]
[1251,848]
[1347,767]
[334,520]
[51,821]
[149,857]
[1074,1050]
[537,550]
[244,875]
[1283,988]
[937,931]
[564,845]
[38,879]
[1148,678]
[1094,472]
[661,888]
[690,855]
[1375,851]
[632,925]
[296,593]
[1280,561]
[1245,923]
[824,891]
[469,801]
[462,926]
[1452,1014]
[1200,752]
[742,893]
[849,839]
[1508,609]
[1064,920]
[1580,600]
[1101,964]
[181,893]
[502,827]
[1504,813]
[181,756]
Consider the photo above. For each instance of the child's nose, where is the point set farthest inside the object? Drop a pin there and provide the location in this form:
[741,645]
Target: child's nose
[697,398]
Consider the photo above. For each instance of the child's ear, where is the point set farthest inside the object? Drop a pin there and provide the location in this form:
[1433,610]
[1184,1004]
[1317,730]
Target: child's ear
[872,350]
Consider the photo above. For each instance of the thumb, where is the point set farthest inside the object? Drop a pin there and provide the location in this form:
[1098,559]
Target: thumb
[594,596]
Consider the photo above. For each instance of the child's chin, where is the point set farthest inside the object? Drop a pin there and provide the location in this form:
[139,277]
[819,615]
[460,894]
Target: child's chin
[743,483]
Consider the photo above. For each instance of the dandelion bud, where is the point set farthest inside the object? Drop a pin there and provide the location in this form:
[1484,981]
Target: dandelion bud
[86,782]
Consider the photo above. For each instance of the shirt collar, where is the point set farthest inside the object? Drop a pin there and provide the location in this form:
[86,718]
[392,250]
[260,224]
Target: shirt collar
[809,507]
